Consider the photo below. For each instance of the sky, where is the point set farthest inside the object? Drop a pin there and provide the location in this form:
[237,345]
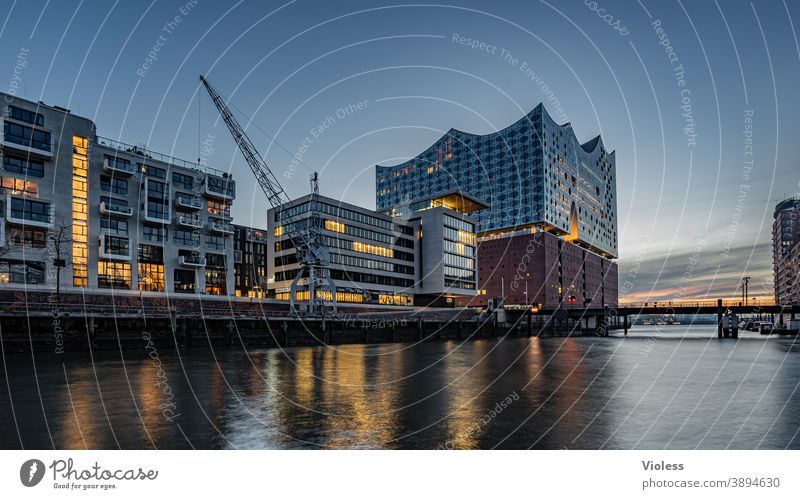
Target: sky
[698,99]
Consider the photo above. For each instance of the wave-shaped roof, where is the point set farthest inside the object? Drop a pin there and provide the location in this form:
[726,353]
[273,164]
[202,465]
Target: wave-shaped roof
[589,147]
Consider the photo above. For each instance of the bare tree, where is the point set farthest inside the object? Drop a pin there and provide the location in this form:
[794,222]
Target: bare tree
[60,236]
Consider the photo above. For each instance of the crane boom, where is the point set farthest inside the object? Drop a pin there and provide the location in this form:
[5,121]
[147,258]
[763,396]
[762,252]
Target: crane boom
[312,254]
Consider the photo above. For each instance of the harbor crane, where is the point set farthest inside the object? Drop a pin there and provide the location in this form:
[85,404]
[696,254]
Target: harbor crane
[303,232]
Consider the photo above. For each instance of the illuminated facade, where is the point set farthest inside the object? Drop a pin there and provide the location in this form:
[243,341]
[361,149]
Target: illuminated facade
[425,258]
[533,176]
[130,219]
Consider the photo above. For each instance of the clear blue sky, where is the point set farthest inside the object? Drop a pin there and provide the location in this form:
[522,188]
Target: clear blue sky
[291,66]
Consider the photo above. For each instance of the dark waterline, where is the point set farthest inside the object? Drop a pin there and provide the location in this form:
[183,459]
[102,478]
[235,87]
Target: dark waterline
[680,388]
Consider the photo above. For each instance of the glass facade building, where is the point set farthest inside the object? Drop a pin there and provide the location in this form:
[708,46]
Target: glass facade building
[534,173]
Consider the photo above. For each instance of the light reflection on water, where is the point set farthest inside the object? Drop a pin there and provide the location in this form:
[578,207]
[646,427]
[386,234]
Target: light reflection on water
[677,388]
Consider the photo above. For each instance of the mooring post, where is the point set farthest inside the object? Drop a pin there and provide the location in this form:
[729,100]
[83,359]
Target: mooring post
[528,325]
[719,318]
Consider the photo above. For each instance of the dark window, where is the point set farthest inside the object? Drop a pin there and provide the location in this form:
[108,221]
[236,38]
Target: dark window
[24,115]
[215,242]
[23,166]
[114,185]
[151,254]
[22,272]
[221,185]
[31,238]
[114,203]
[157,190]
[26,136]
[184,281]
[119,164]
[114,227]
[155,234]
[158,210]
[153,171]
[185,237]
[26,209]
[182,181]
[215,261]
[116,245]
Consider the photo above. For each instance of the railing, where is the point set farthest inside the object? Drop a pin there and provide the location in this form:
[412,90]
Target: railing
[221,227]
[762,301]
[164,158]
[189,202]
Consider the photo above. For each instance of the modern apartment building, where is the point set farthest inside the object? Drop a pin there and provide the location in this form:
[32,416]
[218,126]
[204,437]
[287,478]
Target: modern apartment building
[786,251]
[535,177]
[250,261]
[425,258]
[107,214]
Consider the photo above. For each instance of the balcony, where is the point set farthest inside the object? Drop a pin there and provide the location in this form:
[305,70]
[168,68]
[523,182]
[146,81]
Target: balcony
[189,221]
[191,261]
[220,227]
[123,252]
[37,148]
[118,167]
[189,202]
[220,187]
[115,210]
[28,212]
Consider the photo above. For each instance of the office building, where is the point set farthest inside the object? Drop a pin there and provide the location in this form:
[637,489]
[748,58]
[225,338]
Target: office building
[786,251]
[535,177]
[109,215]
[424,258]
[250,261]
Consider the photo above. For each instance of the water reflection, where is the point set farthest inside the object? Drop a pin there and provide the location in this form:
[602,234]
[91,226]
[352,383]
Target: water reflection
[514,393]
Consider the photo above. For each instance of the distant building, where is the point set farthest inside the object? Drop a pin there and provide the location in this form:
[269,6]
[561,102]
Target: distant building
[535,178]
[133,219]
[250,255]
[786,251]
[425,258]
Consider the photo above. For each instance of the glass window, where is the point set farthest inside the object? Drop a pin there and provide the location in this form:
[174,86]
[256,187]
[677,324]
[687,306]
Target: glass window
[151,276]
[21,272]
[114,185]
[184,281]
[151,254]
[154,234]
[219,208]
[185,237]
[221,185]
[30,238]
[214,260]
[216,282]
[114,275]
[114,227]
[26,136]
[24,115]
[114,203]
[116,245]
[153,171]
[182,181]
[215,242]
[22,166]
[11,185]
[119,164]
[158,210]
[27,209]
